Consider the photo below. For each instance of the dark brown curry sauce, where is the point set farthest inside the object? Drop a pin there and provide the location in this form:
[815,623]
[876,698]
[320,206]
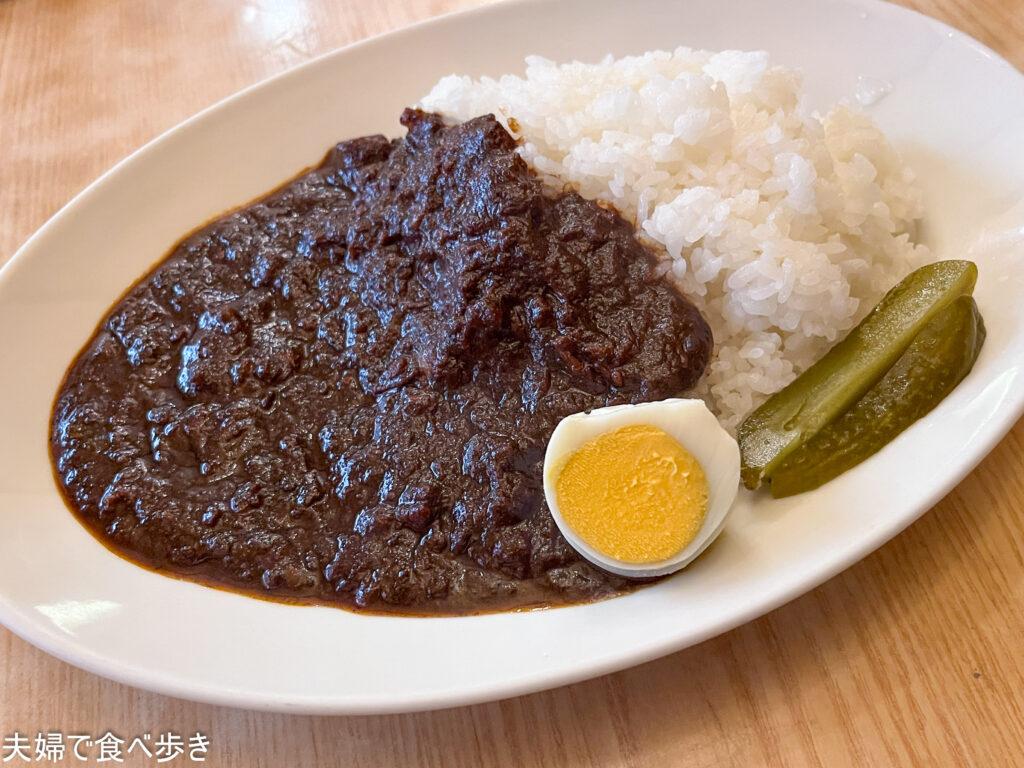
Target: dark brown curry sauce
[343,392]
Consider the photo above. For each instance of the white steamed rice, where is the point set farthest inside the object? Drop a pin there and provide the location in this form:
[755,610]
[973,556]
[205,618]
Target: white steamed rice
[783,227]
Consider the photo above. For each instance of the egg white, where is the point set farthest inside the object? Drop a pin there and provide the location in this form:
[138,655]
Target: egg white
[695,428]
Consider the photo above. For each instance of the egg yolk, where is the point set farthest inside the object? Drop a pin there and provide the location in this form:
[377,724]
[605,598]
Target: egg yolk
[634,494]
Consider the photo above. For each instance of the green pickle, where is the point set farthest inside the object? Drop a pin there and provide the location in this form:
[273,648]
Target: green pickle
[829,388]
[938,359]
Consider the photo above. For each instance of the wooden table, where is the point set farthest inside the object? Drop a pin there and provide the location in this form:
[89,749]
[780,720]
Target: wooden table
[912,657]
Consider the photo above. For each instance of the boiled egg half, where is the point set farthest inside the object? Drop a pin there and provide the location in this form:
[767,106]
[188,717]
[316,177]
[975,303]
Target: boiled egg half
[641,490]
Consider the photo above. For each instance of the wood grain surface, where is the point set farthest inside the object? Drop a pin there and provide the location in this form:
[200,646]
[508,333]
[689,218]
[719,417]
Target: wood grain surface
[913,657]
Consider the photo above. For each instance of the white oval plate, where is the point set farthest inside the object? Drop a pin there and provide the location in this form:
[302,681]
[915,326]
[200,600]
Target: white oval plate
[956,110]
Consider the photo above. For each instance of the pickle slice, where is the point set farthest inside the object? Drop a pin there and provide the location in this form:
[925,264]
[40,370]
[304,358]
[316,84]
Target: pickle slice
[829,387]
[938,359]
